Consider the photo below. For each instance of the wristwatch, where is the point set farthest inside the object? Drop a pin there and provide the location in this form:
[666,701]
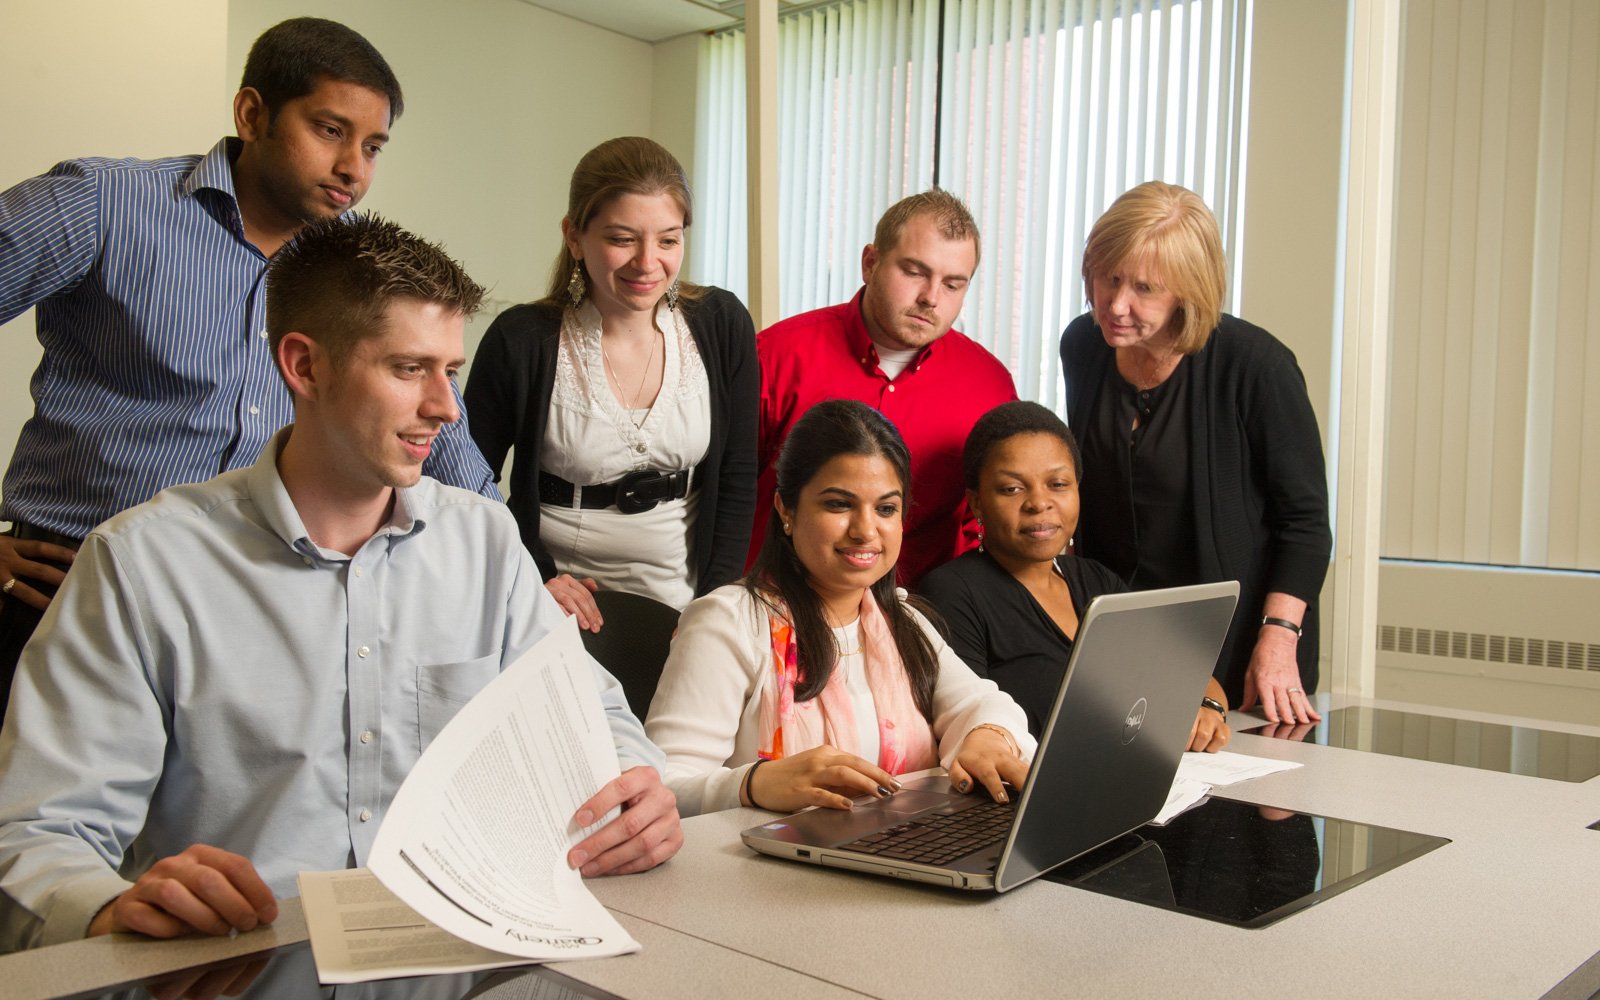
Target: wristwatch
[1215,705]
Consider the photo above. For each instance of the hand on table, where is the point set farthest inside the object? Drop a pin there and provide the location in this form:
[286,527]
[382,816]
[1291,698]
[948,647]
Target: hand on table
[645,834]
[19,562]
[203,889]
[576,597]
[1273,678]
[1211,731]
[821,776]
[989,759]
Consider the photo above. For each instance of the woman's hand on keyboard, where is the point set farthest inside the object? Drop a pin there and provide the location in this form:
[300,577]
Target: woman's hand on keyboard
[821,776]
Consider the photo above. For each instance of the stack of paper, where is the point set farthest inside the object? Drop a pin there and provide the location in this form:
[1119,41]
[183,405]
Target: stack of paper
[469,869]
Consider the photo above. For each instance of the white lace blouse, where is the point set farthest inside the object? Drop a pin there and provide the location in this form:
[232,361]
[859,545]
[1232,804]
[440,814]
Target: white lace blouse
[590,438]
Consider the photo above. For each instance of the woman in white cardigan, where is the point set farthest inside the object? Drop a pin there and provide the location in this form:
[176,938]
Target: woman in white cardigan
[813,680]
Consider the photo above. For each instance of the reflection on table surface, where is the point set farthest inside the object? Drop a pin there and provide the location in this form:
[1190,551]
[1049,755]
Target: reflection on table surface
[291,973]
[1490,746]
[1243,864]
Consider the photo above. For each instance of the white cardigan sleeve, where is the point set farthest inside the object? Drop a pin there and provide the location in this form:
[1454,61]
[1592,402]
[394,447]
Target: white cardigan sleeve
[704,714]
[962,701]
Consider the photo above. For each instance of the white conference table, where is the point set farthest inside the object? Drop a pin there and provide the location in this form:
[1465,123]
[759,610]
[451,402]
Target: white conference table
[1509,908]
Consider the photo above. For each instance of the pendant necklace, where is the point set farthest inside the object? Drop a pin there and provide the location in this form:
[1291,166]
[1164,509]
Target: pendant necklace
[630,403]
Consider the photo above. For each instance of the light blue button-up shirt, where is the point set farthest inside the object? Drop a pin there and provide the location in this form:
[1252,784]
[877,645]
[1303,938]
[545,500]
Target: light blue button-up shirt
[208,674]
[152,314]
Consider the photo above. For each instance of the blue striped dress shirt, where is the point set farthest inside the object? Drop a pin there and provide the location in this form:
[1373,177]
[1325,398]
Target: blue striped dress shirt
[152,313]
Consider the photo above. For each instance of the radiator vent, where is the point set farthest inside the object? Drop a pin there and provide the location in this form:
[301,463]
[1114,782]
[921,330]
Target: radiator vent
[1517,649]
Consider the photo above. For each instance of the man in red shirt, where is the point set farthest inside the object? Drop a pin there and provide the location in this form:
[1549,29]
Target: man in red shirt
[892,348]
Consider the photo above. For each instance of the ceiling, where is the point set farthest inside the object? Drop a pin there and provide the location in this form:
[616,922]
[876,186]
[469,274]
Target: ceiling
[649,20]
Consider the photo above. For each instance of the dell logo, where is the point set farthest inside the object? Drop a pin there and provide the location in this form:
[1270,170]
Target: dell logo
[1134,721]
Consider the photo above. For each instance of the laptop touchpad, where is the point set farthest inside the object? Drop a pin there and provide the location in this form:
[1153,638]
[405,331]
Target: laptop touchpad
[831,827]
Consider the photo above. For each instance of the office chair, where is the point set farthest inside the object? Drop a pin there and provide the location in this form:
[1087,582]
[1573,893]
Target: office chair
[633,643]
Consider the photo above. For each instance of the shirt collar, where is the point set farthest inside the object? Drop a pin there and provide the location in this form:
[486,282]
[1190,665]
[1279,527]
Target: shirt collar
[272,499]
[860,339]
[214,172]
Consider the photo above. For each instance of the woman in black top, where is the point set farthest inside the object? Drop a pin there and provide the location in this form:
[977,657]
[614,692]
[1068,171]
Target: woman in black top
[1207,457]
[628,395]
[1013,604]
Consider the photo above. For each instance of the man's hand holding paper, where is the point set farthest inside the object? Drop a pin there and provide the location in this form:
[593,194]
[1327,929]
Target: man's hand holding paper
[644,835]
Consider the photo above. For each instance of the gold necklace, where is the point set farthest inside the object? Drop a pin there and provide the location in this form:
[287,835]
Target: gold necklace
[630,403]
[840,628]
[1144,383]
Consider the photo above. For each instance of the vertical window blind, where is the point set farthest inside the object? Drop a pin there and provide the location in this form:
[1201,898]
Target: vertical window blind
[1038,113]
[1494,409]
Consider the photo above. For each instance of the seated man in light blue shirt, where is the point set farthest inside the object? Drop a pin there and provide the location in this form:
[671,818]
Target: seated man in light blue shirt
[237,675]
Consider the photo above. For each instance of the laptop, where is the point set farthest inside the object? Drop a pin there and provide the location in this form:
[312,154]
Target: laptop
[1105,763]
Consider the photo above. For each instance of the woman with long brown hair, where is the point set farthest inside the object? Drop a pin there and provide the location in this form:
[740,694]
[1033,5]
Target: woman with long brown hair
[814,680]
[628,394]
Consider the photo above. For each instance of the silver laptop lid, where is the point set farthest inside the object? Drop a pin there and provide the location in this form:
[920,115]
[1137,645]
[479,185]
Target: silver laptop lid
[1120,723]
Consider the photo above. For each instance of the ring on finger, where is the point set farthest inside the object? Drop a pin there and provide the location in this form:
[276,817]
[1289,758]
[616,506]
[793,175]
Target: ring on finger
[5,588]
[1297,691]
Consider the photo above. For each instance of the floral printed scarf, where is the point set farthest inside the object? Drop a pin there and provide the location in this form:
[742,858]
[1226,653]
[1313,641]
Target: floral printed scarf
[905,740]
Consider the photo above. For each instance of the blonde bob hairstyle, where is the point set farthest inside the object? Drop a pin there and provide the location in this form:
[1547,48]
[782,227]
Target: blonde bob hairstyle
[1171,231]
[625,165]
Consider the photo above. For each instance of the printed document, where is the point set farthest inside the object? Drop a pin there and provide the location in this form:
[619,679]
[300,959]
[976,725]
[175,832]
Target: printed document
[477,836]
[360,931]
[1226,767]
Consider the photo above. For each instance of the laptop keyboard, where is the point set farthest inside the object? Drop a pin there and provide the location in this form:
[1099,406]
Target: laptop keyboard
[941,837]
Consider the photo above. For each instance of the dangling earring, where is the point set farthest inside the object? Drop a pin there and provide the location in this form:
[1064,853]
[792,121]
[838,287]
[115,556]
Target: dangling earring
[672,296]
[980,533]
[575,286]
[788,529]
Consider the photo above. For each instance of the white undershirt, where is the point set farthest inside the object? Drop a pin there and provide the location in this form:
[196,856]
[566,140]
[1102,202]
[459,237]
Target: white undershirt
[854,664]
[895,362]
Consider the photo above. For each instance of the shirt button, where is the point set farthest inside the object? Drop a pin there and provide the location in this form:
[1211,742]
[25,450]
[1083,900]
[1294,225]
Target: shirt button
[263,335]
[254,410]
[891,388]
[366,736]
[366,815]
[358,570]
[640,447]
[306,560]
[362,652]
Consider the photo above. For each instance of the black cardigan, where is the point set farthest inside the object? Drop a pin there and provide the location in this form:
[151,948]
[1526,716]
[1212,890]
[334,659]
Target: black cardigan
[1261,490]
[1002,633]
[508,402]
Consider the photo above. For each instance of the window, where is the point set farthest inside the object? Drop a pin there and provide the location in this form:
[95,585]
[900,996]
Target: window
[1494,396]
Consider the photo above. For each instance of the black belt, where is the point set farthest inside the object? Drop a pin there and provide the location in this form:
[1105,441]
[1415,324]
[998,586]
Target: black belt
[634,493]
[33,533]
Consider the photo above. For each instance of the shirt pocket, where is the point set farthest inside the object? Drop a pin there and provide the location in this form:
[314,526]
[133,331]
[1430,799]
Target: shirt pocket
[443,688]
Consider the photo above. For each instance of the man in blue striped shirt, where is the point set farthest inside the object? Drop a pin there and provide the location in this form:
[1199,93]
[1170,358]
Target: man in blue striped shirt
[149,278]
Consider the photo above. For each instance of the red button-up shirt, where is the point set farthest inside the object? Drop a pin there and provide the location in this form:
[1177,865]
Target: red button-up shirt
[828,354]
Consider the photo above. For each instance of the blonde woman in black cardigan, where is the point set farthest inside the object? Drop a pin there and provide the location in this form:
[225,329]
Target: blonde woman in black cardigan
[1206,454]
